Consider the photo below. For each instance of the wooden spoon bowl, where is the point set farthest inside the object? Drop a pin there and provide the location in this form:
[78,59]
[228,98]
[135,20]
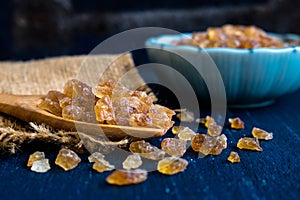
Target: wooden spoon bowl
[25,107]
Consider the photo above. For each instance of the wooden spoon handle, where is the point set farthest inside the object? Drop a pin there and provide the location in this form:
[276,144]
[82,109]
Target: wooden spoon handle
[20,106]
[25,108]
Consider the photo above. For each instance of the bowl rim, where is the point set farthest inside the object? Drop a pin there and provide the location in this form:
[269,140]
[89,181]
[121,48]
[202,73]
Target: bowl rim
[154,42]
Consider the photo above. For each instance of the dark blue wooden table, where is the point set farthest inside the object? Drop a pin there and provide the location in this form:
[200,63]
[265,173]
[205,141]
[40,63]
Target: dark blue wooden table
[273,173]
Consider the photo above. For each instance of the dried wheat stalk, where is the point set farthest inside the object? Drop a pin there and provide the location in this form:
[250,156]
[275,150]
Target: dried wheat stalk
[13,134]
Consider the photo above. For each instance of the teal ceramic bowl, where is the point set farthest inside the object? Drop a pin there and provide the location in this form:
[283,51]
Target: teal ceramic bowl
[252,77]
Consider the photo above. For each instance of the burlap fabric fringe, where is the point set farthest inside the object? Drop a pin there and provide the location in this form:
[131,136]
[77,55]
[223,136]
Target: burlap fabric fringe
[40,76]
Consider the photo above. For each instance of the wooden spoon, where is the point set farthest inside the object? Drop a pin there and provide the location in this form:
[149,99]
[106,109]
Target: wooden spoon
[25,107]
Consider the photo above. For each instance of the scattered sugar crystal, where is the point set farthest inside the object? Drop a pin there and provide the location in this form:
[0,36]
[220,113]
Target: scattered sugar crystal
[96,156]
[249,144]
[223,140]
[186,134]
[261,134]
[103,165]
[40,166]
[209,120]
[177,129]
[132,162]
[100,164]
[214,129]
[146,150]
[172,165]
[67,159]
[185,116]
[127,177]
[236,123]
[233,157]
[206,144]
[34,157]
[174,147]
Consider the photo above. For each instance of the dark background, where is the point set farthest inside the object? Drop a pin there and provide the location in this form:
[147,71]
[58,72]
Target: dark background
[37,29]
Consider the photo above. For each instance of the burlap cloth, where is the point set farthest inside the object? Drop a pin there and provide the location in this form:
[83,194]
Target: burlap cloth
[40,76]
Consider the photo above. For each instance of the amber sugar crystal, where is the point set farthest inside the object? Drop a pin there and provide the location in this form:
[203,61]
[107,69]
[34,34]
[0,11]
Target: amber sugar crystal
[222,140]
[172,165]
[122,106]
[186,134]
[119,105]
[67,159]
[214,129]
[40,166]
[104,88]
[127,177]
[132,162]
[161,116]
[38,162]
[197,142]
[186,116]
[200,120]
[208,120]
[80,92]
[95,157]
[38,155]
[236,123]
[233,157]
[249,144]
[104,110]
[177,129]
[234,36]
[100,164]
[146,150]
[51,102]
[206,144]
[261,134]
[83,101]
[75,103]
[109,103]
[173,146]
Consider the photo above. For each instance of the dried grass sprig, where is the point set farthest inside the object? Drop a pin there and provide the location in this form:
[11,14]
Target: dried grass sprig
[13,134]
